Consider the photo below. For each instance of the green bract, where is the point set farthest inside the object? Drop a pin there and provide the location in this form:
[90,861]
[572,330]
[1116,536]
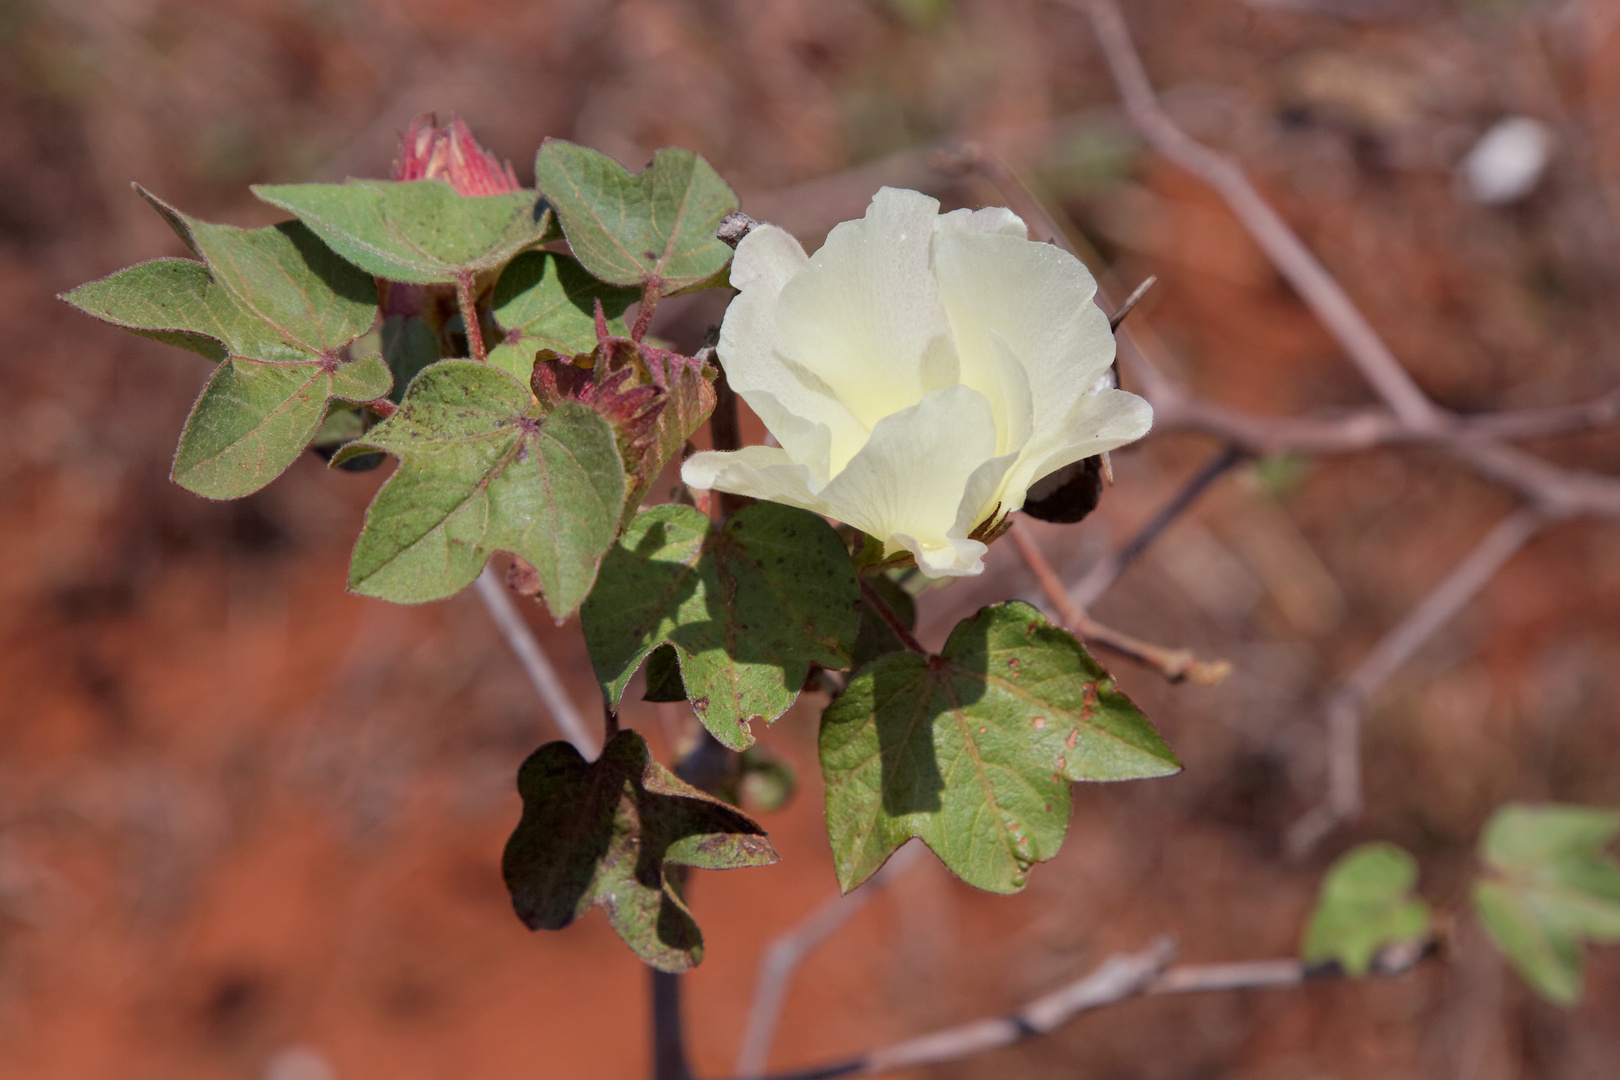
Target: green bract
[973,750]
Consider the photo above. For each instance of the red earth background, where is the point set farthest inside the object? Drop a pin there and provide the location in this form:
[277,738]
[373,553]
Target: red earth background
[250,826]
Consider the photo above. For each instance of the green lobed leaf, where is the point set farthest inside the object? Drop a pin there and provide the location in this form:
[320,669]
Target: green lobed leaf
[1365,904]
[548,301]
[170,300]
[254,418]
[278,310]
[607,833]
[285,280]
[479,474]
[748,609]
[415,230]
[656,226]
[973,750]
[1550,887]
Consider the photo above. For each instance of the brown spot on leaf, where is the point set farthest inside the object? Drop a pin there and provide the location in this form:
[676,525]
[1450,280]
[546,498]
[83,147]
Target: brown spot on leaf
[1074,737]
[1039,722]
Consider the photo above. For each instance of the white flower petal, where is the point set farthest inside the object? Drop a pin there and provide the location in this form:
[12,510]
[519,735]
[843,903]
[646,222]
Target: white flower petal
[920,372]
[865,313]
[1038,299]
[766,258]
[797,407]
[1095,424]
[759,472]
[991,219]
[907,484]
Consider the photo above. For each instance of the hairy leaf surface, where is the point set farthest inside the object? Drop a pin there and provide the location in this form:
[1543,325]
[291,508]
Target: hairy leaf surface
[608,833]
[655,226]
[415,230]
[278,309]
[479,474]
[747,608]
[973,750]
[548,301]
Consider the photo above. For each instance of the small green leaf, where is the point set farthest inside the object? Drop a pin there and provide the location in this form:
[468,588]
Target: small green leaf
[973,750]
[548,301]
[415,230]
[1365,905]
[1550,887]
[607,833]
[477,475]
[748,609]
[655,226]
[254,419]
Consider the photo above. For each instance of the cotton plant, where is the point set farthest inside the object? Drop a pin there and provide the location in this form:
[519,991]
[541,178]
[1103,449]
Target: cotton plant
[919,374]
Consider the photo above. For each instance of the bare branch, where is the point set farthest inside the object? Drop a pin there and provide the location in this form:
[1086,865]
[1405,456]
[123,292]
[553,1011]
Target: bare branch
[1119,978]
[535,663]
[1127,305]
[1310,279]
[1100,578]
[1345,705]
[783,956]
[1174,664]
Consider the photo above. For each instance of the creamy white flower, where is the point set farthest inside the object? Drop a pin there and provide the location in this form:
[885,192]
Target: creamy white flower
[920,372]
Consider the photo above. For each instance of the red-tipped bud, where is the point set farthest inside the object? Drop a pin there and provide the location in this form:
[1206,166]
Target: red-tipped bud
[430,152]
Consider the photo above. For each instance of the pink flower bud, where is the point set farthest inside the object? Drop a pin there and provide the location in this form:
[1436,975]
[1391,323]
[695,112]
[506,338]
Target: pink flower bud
[430,152]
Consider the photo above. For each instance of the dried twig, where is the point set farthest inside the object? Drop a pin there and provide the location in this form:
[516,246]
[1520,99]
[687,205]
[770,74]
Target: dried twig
[509,621]
[1550,492]
[1173,664]
[1345,704]
[1119,978]
[1309,278]
[1127,305]
[1100,578]
[783,956]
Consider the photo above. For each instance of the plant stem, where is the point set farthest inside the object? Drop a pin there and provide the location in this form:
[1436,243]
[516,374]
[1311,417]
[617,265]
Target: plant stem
[469,315]
[872,600]
[669,1048]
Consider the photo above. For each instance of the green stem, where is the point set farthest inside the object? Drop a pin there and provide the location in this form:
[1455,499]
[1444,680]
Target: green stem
[469,315]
